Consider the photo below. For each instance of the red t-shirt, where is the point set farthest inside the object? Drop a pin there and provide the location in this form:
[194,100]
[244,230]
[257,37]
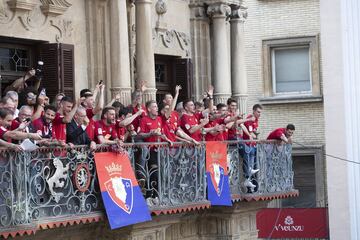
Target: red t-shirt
[276,134]
[188,121]
[3,130]
[137,120]
[59,128]
[90,129]
[15,124]
[147,124]
[42,128]
[233,133]
[121,131]
[251,126]
[107,131]
[220,136]
[170,125]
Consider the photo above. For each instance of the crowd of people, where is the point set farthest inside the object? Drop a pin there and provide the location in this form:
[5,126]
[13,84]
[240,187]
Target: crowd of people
[26,113]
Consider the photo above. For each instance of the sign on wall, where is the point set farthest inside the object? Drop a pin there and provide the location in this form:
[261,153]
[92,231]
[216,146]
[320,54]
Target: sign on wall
[292,223]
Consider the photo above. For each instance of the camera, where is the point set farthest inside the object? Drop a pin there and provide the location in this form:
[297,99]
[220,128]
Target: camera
[28,120]
[39,70]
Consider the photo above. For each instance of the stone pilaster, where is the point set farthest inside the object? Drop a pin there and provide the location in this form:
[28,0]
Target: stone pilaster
[221,75]
[201,53]
[238,65]
[120,60]
[145,65]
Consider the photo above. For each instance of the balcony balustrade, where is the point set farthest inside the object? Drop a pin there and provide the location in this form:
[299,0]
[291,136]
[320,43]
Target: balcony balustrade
[53,186]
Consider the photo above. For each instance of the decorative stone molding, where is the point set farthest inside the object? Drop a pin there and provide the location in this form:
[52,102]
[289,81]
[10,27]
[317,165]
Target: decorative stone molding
[125,94]
[149,94]
[198,11]
[54,8]
[5,14]
[21,5]
[173,39]
[161,7]
[65,28]
[219,10]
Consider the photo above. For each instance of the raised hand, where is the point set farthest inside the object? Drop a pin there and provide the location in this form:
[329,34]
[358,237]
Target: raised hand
[177,89]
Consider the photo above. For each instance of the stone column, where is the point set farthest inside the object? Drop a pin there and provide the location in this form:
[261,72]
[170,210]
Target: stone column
[145,65]
[120,60]
[221,75]
[238,65]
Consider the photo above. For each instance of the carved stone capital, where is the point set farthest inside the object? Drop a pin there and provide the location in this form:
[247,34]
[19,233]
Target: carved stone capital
[239,13]
[219,10]
[198,12]
[54,8]
[149,94]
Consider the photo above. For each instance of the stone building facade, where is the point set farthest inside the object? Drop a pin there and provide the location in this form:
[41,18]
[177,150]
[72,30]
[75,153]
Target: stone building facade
[227,43]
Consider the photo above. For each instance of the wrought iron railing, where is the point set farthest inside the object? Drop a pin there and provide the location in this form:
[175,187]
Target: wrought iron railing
[52,185]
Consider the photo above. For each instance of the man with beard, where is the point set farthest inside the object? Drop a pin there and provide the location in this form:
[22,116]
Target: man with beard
[44,127]
[6,118]
[105,130]
[63,116]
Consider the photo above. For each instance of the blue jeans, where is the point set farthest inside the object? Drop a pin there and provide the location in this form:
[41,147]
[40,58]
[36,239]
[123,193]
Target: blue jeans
[249,159]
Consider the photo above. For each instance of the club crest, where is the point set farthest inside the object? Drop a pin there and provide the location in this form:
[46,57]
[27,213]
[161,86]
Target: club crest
[120,191]
[217,177]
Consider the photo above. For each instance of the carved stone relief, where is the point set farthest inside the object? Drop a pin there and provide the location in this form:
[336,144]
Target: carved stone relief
[37,15]
[173,39]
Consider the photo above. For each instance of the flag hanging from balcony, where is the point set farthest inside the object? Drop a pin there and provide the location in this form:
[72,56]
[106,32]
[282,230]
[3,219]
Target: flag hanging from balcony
[121,194]
[217,178]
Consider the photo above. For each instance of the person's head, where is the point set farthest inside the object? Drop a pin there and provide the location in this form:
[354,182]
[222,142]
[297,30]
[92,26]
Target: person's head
[25,112]
[152,108]
[125,112]
[85,91]
[118,106]
[221,108]
[14,96]
[6,117]
[89,101]
[257,108]
[31,98]
[57,100]
[80,115]
[136,97]
[8,104]
[180,108]
[49,113]
[168,98]
[66,105]
[232,105]
[290,129]
[199,106]
[163,108]
[108,114]
[189,106]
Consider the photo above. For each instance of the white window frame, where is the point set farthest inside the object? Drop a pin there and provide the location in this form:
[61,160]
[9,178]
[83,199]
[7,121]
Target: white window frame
[273,67]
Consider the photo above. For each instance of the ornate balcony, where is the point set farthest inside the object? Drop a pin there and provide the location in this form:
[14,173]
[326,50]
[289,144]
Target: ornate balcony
[53,187]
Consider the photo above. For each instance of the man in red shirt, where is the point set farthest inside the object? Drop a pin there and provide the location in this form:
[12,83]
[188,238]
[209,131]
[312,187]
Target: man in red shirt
[91,110]
[250,133]
[124,127]
[282,134]
[64,115]
[105,130]
[6,118]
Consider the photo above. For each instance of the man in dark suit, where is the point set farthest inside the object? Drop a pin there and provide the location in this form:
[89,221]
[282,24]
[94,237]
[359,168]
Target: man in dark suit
[76,130]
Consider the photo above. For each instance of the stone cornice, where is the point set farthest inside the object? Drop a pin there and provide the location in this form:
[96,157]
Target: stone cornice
[218,10]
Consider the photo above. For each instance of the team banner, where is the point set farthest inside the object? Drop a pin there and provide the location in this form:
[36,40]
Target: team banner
[292,223]
[121,194]
[216,174]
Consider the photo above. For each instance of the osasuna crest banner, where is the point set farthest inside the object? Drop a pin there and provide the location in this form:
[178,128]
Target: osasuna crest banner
[292,223]
[217,175]
[121,194]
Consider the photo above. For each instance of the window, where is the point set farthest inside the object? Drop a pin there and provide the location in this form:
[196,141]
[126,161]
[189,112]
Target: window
[291,70]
